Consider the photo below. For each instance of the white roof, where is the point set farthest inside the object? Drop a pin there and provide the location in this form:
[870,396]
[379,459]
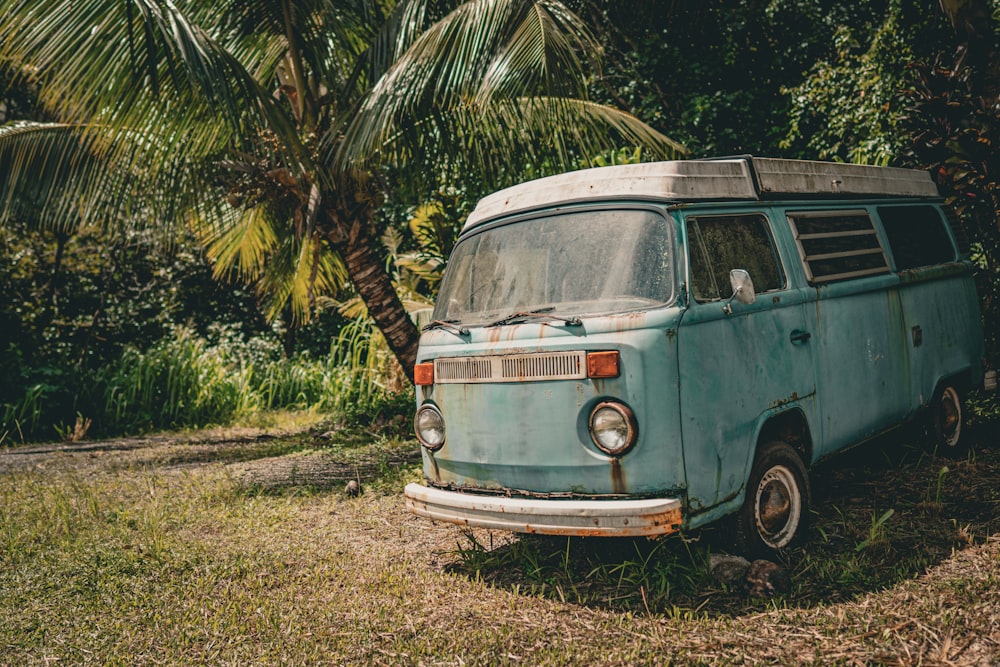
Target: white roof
[705,180]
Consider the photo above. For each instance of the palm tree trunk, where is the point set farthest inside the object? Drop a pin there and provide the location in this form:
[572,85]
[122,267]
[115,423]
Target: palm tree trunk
[373,283]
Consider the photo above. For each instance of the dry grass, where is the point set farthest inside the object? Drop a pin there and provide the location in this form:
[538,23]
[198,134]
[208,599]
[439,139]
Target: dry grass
[159,552]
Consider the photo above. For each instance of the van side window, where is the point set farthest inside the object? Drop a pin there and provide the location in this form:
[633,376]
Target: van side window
[837,245]
[718,244]
[916,235]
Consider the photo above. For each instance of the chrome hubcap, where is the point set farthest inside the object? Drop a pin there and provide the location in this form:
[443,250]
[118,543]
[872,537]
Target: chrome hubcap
[778,506]
[951,417]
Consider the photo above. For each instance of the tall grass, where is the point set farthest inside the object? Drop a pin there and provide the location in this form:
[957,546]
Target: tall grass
[363,373]
[187,380]
[180,381]
[22,416]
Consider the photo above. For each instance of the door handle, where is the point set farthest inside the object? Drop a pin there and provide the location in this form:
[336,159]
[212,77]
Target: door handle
[799,336]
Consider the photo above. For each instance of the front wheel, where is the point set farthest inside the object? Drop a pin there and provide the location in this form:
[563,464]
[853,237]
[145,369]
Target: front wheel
[775,511]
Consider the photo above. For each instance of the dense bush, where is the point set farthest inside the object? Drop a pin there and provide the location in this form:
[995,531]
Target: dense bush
[956,134]
[189,380]
[132,332]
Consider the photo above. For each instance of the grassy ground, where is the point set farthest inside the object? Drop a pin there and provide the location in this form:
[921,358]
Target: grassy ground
[241,548]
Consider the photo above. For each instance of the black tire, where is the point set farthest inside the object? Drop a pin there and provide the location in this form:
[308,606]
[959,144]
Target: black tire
[775,512]
[948,414]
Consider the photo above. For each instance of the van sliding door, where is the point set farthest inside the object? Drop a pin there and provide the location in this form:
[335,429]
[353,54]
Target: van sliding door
[860,339]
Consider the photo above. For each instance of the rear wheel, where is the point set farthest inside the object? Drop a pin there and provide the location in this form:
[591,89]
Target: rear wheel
[948,412]
[775,511]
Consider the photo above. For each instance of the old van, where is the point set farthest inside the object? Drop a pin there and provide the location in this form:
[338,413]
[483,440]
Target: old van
[636,349]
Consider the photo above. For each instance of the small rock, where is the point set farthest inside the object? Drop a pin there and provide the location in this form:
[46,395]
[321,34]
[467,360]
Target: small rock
[728,570]
[766,579]
[352,488]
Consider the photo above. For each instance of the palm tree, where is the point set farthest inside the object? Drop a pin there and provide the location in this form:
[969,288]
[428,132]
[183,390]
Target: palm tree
[270,124]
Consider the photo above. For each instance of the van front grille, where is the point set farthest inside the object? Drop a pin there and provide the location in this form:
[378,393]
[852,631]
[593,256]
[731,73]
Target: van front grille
[511,368]
[470,369]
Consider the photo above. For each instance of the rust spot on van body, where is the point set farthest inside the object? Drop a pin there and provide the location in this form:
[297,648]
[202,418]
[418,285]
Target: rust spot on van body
[932,272]
[659,525]
[617,476]
[628,321]
[784,401]
[794,397]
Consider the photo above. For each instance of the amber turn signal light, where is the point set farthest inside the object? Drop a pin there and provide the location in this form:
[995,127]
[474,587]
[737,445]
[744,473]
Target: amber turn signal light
[603,364]
[423,374]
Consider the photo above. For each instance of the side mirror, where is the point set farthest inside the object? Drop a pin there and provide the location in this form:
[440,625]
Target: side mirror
[742,285]
[743,290]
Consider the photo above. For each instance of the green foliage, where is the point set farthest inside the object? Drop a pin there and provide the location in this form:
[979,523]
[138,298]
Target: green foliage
[364,376]
[180,381]
[711,73]
[849,106]
[171,109]
[188,380]
[73,303]
[620,156]
[848,109]
[954,123]
[795,78]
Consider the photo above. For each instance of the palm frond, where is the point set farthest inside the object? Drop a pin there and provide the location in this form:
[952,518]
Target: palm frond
[61,176]
[525,136]
[238,244]
[56,176]
[166,73]
[548,53]
[495,78]
[296,275]
[398,30]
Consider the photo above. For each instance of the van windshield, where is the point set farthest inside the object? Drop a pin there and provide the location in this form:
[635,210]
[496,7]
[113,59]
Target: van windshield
[586,262]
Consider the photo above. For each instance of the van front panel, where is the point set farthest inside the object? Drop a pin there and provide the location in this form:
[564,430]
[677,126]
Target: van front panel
[532,437]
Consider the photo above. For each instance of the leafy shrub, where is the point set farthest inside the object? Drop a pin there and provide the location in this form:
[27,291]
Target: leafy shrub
[956,135]
[189,380]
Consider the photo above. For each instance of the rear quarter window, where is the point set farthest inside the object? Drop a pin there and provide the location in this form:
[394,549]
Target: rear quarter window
[917,235]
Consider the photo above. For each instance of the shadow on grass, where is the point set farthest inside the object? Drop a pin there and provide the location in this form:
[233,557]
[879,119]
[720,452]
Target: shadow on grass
[321,459]
[328,461]
[882,513]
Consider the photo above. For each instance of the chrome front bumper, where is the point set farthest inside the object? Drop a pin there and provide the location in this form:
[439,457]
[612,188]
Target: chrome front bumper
[593,518]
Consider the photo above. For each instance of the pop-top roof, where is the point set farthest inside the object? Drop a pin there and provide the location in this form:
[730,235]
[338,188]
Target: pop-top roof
[702,180]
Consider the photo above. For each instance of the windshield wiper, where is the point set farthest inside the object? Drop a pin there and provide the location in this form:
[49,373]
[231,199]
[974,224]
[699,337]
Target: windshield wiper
[535,314]
[447,325]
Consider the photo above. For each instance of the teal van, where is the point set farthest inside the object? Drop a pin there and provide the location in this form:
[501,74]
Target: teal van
[639,349]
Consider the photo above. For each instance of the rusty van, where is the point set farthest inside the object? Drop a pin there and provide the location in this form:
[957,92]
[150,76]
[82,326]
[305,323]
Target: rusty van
[639,349]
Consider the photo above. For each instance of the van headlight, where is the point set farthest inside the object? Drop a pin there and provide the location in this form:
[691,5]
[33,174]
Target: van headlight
[613,427]
[429,425]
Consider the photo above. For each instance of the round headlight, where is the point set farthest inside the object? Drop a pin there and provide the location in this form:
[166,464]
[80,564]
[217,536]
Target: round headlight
[429,425]
[613,427]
